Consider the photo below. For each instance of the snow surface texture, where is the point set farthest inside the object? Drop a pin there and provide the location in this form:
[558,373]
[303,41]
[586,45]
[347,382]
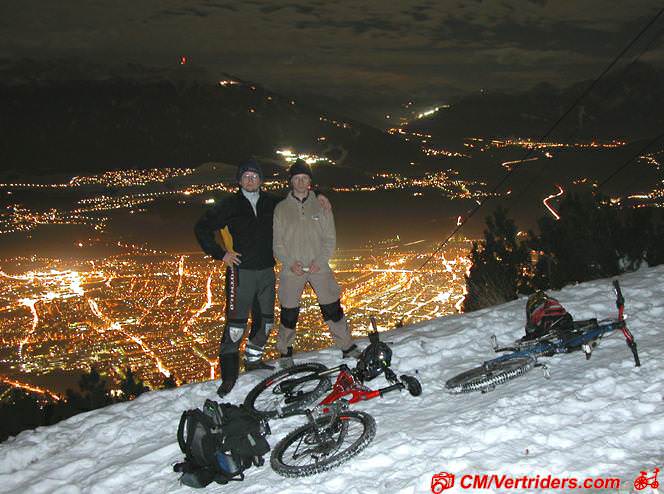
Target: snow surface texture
[601,417]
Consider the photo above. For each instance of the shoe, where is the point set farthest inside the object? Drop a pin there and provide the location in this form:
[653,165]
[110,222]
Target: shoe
[225,388]
[351,352]
[286,359]
[254,365]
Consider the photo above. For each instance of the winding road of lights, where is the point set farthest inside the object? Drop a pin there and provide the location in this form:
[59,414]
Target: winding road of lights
[552,196]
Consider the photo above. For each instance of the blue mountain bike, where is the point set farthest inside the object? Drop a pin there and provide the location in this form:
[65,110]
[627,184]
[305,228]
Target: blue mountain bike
[584,336]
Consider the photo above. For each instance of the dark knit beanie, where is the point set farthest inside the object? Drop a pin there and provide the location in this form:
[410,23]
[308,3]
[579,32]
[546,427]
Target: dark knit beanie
[249,166]
[300,166]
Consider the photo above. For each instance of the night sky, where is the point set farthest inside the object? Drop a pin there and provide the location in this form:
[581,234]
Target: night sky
[372,53]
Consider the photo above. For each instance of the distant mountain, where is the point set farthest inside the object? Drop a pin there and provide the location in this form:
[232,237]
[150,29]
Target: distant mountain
[626,104]
[100,123]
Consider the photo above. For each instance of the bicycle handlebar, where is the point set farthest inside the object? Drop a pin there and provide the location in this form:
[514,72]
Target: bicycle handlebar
[393,387]
[629,338]
[373,335]
[620,300]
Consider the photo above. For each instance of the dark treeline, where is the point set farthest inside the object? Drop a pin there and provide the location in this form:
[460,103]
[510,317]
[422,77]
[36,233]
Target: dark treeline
[592,239]
[21,410]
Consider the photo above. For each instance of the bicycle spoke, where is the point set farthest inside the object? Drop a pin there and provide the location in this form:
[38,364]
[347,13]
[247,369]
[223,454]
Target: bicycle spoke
[326,444]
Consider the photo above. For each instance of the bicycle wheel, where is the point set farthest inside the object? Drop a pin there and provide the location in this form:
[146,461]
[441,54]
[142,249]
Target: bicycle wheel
[489,375]
[640,483]
[288,391]
[312,449]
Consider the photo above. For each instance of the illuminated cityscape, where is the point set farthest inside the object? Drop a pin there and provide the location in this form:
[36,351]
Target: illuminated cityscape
[447,182]
[160,311]
[473,142]
[93,209]
[162,315]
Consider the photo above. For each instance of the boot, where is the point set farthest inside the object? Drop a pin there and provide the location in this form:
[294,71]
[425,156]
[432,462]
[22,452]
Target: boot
[253,365]
[286,359]
[230,367]
[253,355]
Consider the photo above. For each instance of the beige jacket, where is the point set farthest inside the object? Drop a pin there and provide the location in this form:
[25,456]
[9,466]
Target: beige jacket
[303,232]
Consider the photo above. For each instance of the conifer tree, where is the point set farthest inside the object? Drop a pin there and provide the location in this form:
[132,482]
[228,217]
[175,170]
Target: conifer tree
[583,244]
[655,246]
[638,231]
[132,387]
[169,382]
[499,264]
[19,411]
[95,390]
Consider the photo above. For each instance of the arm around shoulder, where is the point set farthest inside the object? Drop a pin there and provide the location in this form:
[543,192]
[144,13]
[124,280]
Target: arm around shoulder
[329,240]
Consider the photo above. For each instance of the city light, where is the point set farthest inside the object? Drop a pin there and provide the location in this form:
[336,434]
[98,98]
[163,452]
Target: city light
[311,159]
[427,113]
[552,196]
[530,144]
[163,314]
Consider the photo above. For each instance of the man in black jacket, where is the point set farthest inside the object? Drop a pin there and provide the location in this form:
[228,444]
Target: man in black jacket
[249,269]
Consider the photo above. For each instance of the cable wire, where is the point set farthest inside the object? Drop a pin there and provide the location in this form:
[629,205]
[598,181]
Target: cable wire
[624,165]
[546,135]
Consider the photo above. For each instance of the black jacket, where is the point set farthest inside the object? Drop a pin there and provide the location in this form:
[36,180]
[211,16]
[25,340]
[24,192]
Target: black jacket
[252,233]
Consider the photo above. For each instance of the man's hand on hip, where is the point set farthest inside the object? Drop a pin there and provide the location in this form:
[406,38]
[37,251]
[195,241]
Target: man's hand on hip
[232,259]
[297,268]
[313,267]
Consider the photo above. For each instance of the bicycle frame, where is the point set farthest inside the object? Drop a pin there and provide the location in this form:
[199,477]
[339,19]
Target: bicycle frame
[559,345]
[348,384]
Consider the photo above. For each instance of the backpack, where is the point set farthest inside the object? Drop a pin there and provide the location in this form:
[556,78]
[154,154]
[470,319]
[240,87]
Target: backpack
[545,314]
[219,443]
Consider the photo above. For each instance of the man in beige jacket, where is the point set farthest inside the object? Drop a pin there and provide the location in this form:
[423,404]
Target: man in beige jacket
[304,240]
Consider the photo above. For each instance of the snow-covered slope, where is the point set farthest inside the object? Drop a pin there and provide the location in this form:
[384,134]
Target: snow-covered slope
[601,417]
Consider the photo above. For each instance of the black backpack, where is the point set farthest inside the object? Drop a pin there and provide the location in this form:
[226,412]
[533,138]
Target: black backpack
[219,443]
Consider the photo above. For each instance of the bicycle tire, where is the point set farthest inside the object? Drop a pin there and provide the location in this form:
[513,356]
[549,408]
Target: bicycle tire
[276,405]
[486,377]
[321,457]
[640,483]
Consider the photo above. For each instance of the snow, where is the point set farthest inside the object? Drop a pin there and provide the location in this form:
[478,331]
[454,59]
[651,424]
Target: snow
[602,417]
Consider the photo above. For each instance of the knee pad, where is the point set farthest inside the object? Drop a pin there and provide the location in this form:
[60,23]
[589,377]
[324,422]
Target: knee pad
[268,324]
[233,333]
[289,317]
[332,312]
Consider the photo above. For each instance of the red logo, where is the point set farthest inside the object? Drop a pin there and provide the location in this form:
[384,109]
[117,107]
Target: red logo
[441,481]
[643,481]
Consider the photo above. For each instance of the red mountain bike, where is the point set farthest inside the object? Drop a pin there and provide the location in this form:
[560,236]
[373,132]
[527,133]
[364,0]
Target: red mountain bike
[333,433]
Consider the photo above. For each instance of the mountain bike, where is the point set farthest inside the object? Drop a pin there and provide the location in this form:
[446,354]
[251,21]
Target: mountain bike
[333,434]
[584,336]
